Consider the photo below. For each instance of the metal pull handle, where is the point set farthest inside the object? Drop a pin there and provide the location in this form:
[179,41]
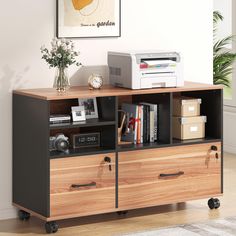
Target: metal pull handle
[108,160]
[171,175]
[92,184]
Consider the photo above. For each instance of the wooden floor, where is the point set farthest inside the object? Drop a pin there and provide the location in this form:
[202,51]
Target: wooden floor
[137,220]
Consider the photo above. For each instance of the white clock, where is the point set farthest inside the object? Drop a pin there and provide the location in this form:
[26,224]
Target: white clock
[95,81]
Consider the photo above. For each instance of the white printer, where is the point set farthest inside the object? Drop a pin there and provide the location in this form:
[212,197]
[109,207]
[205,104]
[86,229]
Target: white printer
[142,70]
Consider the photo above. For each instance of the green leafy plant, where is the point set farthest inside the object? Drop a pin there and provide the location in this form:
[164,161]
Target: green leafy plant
[223,58]
[61,55]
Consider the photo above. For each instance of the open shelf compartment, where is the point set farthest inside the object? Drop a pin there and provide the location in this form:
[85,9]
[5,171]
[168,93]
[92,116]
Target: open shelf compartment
[164,119]
[211,107]
[107,140]
[105,106]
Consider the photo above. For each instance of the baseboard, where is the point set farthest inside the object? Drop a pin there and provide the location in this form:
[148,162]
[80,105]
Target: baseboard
[229,149]
[8,213]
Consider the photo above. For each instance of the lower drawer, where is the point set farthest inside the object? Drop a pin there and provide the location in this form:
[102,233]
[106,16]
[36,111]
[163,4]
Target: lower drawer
[169,175]
[82,185]
[83,203]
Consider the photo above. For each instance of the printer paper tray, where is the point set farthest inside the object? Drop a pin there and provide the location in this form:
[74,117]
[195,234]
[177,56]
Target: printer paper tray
[157,75]
[158,81]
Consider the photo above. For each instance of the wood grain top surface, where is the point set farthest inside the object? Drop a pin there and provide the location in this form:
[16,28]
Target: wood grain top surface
[108,90]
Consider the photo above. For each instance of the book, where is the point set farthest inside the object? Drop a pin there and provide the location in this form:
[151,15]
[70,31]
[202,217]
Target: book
[141,121]
[148,124]
[138,130]
[59,118]
[152,126]
[131,111]
[144,124]
[155,108]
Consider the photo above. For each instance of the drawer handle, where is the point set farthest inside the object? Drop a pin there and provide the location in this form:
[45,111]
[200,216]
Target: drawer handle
[172,175]
[92,184]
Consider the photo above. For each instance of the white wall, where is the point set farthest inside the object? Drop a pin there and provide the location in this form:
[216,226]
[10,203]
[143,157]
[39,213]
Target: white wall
[183,25]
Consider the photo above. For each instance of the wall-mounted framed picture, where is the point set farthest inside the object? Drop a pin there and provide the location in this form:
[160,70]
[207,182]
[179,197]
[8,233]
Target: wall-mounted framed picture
[90,106]
[88,18]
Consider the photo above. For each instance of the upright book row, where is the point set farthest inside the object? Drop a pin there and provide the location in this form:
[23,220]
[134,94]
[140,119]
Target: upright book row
[141,124]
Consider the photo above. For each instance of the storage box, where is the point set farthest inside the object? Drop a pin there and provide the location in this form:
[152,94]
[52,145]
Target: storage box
[189,127]
[186,106]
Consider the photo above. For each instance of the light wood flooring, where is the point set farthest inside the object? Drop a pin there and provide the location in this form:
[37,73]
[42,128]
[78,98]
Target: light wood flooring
[137,220]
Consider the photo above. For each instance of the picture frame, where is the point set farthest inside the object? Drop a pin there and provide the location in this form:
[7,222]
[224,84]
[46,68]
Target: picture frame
[88,18]
[78,113]
[90,107]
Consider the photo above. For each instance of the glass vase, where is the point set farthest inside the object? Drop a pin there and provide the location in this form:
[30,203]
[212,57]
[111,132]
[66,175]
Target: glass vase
[61,81]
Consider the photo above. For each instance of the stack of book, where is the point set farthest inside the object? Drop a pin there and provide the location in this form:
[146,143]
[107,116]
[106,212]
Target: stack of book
[55,119]
[141,123]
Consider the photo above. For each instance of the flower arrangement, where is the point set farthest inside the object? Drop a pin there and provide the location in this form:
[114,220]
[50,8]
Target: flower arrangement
[62,53]
[60,56]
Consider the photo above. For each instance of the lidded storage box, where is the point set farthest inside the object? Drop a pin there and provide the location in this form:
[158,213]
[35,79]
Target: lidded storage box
[186,106]
[189,127]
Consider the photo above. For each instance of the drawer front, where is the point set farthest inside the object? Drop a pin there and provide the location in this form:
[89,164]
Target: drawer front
[168,175]
[82,185]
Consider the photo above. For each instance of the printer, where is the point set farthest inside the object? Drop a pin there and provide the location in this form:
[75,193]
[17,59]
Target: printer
[143,70]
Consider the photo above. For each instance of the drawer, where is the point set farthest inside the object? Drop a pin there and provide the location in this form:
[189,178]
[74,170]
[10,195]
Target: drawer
[168,175]
[82,185]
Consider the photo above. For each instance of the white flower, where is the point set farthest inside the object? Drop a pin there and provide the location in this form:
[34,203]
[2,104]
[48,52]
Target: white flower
[63,40]
[59,55]
[43,48]
[54,44]
[64,46]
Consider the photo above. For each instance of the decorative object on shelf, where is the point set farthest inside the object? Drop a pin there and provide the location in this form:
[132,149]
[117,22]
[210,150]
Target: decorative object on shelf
[122,117]
[88,18]
[61,56]
[95,81]
[90,106]
[86,140]
[59,142]
[78,113]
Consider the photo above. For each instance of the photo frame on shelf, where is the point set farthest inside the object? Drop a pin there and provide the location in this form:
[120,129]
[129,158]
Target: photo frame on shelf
[78,113]
[90,107]
[88,18]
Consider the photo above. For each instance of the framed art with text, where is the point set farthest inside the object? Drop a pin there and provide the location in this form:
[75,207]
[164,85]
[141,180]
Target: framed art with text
[88,18]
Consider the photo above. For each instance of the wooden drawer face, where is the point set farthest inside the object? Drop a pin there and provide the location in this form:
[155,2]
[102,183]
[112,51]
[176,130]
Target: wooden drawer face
[168,175]
[82,185]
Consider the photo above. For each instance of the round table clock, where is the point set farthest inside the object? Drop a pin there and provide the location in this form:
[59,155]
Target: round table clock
[95,81]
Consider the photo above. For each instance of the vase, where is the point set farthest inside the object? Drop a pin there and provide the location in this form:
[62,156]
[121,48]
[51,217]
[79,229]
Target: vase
[61,81]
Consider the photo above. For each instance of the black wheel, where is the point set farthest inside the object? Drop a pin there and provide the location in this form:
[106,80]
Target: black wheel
[23,215]
[122,212]
[51,227]
[214,203]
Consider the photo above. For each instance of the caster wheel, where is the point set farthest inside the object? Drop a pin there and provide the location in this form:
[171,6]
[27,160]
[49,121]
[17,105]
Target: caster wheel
[51,227]
[23,215]
[214,203]
[122,212]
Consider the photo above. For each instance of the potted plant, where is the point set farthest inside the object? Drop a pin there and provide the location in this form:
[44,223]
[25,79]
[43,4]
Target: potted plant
[60,56]
[223,58]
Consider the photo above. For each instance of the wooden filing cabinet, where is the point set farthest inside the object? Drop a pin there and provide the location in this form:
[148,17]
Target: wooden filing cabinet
[112,177]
